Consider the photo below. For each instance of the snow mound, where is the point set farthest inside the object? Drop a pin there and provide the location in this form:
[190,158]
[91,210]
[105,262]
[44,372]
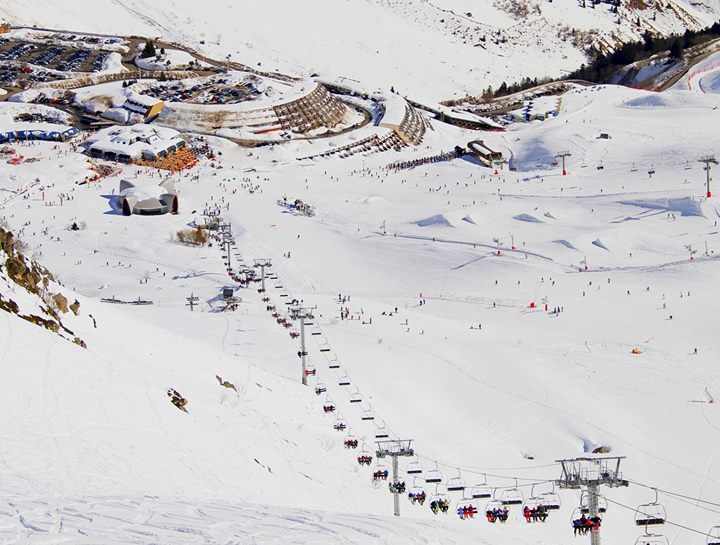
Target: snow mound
[686,206]
[565,243]
[437,219]
[666,100]
[527,217]
[373,199]
[599,243]
[469,219]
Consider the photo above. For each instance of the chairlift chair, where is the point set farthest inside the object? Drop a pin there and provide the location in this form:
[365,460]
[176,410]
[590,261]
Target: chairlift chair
[355,397]
[481,490]
[315,330]
[551,500]
[320,388]
[467,505]
[381,433]
[456,484]
[325,348]
[340,424]
[512,496]
[415,491]
[650,514]
[414,468]
[651,539]
[334,364]
[494,504]
[584,505]
[713,536]
[439,494]
[344,381]
[434,475]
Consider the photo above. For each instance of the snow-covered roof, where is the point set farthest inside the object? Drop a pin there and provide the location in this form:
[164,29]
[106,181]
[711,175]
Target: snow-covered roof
[135,140]
[395,108]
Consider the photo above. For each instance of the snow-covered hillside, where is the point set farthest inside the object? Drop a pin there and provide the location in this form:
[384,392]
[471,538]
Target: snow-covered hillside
[501,319]
[440,48]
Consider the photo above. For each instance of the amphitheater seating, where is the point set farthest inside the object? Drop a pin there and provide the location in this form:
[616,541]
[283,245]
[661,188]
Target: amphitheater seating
[315,110]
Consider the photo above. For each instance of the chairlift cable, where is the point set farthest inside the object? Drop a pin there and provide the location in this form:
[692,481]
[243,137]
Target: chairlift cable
[669,493]
[688,528]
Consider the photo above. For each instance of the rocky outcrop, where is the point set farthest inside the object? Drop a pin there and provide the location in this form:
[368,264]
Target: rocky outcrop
[38,281]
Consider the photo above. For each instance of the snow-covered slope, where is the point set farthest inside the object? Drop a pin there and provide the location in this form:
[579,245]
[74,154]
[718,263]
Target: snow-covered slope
[440,48]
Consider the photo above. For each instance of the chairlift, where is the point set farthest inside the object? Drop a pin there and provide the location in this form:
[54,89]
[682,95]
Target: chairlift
[325,348]
[315,330]
[533,502]
[355,397]
[481,490]
[320,388]
[340,424]
[417,493]
[310,370]
[381,433]
[439,495]
[584,505]
[414,467]
[434,475]
[467,508]
[651,539]
[344,381]
[367,414]
[650,514]
[334,364]
[380,472]
[512,496]
[456,484]
[551,500]
[713,536]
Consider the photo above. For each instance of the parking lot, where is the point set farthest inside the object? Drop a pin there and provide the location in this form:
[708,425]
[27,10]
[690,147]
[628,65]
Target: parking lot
[212,91]
[55,57]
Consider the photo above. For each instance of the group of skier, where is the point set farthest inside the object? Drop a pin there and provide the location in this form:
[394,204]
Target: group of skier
[497,514]
[535,514]
[584,524]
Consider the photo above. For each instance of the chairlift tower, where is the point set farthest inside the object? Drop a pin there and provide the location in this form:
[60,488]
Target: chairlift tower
[263,263]
[226,239]
[590,474]
[302,314]
[562,155]
[395,448]
[708,160]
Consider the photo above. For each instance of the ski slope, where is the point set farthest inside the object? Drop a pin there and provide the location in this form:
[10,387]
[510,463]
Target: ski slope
[488,387]
[449,344]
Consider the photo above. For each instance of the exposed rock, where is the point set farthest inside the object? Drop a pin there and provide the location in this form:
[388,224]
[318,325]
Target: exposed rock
[75,307]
